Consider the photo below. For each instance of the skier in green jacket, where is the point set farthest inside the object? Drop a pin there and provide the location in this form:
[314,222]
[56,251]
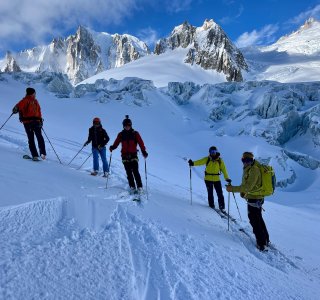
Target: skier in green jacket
[249,189]
[214,167]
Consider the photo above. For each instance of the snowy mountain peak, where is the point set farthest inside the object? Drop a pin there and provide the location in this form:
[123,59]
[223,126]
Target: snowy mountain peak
[310,22]
[79,56]
[209,47]
[11,64]
[305,40]
[208,24]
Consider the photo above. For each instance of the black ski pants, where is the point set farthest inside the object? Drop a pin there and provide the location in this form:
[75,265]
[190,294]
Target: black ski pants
[34,129]
[257,223]
[218,187]
[133,175]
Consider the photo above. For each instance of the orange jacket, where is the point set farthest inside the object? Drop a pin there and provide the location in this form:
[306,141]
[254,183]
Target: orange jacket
[29,109]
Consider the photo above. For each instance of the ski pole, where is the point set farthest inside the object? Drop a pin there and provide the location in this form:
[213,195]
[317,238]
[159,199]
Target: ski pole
[75,156]
[234,197]
[145,172]
[84,161]
[109,170]
[190,186]
[228,210]
[51,145]
[6,121]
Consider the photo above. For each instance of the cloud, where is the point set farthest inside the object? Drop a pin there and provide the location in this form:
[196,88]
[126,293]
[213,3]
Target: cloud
[176,6]
[228,20]
[35,20]
[302,17]
[258,37]
[149,36]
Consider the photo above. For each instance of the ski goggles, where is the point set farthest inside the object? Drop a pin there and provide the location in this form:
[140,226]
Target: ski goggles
[213,151]
[246,160]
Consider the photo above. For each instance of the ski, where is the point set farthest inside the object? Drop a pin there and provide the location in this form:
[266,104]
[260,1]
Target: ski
[228,215]
[136,196]
[224,215]
[26,156]
[219,212]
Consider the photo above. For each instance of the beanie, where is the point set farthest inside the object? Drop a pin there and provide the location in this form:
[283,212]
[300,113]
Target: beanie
[213,148]
[248,155]
[96,120]
[30,91]
[126,121]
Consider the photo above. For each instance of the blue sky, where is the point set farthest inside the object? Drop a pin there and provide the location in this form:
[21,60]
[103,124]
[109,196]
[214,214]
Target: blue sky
[27,23]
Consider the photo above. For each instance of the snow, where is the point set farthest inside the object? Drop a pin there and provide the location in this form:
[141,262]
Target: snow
[65,236]
[293,58]
[161,69]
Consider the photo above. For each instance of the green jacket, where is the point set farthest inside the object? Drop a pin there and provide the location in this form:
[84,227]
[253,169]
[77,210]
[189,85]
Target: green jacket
[213,169]
[251,182]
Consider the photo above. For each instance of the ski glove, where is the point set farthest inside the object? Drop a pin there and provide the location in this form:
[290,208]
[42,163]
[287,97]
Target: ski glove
[145,154]
[190,162]
[85,144]
[111,148]
[228,180]
[15,110]
[229,188]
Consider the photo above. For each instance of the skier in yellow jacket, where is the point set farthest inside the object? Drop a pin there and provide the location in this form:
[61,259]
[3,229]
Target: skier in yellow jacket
[214,167]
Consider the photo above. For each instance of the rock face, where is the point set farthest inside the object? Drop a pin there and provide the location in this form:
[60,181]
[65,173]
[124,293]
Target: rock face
[81,55]
[209,47]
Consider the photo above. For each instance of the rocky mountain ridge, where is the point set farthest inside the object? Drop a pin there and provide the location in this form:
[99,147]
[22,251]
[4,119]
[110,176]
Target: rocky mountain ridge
[87,53]
[78,56]
[209,47]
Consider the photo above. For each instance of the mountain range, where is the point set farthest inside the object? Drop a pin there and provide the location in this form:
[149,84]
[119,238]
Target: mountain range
[87,53]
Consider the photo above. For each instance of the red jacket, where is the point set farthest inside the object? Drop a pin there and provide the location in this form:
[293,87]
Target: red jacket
[129,140]
[29,109]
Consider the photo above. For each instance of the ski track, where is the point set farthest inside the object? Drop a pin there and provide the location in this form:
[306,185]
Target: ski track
[152,262]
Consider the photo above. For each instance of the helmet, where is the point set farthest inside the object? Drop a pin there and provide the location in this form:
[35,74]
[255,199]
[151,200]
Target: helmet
[96,120]
[213,150]
[126,121]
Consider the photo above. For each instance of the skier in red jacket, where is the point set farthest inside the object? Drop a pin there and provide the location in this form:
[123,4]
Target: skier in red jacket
[30,115]
[129,138]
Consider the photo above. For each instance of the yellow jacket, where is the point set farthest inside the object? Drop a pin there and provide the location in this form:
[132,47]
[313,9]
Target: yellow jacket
[213,169]
[251,183]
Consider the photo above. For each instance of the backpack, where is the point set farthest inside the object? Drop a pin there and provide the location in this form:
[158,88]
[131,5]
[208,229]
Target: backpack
[268,179]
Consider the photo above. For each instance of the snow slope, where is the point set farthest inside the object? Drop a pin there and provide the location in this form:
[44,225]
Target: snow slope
[293,58]
[65,236]
[162,69]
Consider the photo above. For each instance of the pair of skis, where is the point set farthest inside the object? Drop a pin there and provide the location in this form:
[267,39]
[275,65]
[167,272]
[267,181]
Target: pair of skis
[270,247]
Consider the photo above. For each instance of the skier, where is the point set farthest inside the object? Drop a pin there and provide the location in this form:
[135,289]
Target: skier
[99,139]
[30,115]
[129,138]
[214,166]
[251,181]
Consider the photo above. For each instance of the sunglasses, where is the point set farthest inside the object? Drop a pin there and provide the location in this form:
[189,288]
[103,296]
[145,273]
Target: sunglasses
[213,151]
[246,160]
